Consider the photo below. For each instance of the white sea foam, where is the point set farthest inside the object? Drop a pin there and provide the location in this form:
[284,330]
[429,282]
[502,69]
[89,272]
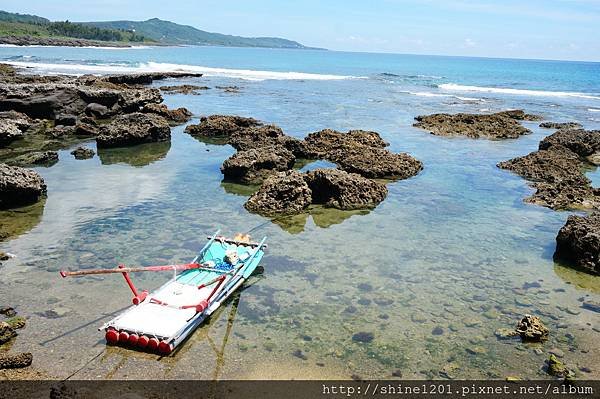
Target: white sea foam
[593,110]
[430,94]
[246,74]
[524,92]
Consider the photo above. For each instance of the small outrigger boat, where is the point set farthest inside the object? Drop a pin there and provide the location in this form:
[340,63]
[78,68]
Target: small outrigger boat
[161,320]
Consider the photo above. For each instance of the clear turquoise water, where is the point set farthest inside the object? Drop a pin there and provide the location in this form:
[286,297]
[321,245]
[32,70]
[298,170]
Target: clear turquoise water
[450,248]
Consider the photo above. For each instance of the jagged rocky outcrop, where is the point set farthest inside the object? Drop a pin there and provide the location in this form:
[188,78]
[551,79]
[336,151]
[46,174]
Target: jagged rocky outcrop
[9,132]
[560,125]
[556,170]
[291,192]
[264,136]
[19,186]
[220,126]
[359,151]
[176,116]
[338,189]
[254,165]
[501,125]
[578,243]
[83,153]
[284,193]
[531,329]
[324,142]
[132,129]
[584,143]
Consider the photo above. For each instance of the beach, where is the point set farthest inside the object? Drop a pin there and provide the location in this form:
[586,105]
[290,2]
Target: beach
[416,285]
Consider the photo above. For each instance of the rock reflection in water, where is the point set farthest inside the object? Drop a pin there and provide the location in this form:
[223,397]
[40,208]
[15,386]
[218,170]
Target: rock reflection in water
[14,222]
[578,279]
[138,156]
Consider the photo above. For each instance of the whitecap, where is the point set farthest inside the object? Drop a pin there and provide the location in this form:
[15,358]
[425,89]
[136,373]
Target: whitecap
[246,74]
[538,93]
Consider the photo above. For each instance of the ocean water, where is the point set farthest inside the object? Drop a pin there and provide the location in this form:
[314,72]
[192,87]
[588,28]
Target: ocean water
[449,257]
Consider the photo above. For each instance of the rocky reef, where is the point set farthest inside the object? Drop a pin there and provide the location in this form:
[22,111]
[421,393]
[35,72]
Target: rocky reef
[291,192]
[253,165]
[266,154]
[83,153]
[19,186]
[501,125]
[561,125]
[556,170]
[132,129]
[8,331]
[578,242]
[42,113]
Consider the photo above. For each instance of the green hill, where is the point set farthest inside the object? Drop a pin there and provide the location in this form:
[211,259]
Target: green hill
[22,28]
[171,33]
[24,25]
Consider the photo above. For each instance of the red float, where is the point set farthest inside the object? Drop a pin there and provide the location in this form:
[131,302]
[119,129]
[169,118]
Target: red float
[153,344]
[133,339]
[143,342]
[112,337]
[164,348]
[123,337]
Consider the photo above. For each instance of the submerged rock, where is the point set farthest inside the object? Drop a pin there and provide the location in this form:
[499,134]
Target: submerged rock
[83,153]
[578,242]
[19,186]
[363,337]
[7,332]
[594,306]
[46,158]
[342,190]
[501,125]
[8,361]
[558,369]
[177,116]
[560,125]
[280,194]
[132,129]
[183,89]
[531,328]
[254,165]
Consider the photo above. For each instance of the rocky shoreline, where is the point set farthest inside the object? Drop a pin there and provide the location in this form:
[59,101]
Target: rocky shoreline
[63,42]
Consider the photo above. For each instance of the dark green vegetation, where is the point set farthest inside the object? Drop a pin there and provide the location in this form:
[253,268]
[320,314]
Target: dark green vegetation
[151,31]
[171,33]
[12,24]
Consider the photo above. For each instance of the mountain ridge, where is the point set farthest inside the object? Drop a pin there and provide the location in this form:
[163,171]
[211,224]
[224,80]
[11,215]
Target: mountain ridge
[168,32]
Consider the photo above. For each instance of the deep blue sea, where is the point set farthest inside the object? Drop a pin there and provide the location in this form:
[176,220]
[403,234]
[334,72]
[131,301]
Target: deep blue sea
[432,272]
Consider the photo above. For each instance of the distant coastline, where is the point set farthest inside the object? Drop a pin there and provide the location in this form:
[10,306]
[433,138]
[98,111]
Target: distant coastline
[32,30]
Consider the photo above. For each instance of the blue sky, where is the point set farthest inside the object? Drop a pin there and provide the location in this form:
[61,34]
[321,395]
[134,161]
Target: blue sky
[551,29]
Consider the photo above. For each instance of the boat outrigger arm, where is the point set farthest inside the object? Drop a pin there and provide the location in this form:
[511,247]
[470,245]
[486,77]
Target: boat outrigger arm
[161,320]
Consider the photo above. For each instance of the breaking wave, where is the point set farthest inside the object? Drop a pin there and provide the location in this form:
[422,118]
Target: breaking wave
[524,92]
[246,74]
